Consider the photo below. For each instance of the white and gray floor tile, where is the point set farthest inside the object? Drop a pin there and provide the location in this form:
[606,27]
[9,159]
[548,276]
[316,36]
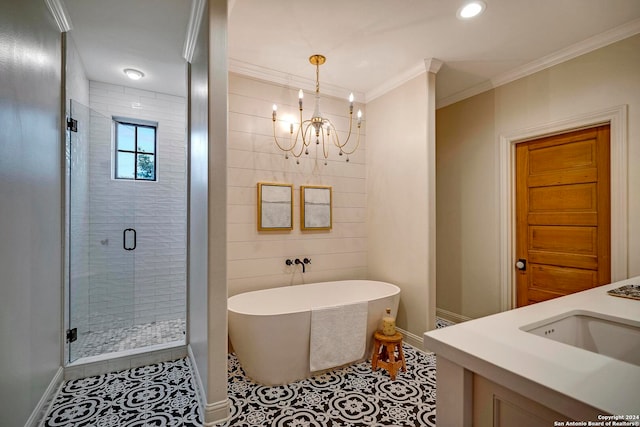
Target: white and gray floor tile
[350,397]
[163,394]
[156,395]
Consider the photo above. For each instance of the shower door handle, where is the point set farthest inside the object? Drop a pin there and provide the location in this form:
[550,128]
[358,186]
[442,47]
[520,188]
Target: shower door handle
[124,239]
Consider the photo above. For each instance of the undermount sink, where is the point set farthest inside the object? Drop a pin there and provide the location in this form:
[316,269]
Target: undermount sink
[602,334]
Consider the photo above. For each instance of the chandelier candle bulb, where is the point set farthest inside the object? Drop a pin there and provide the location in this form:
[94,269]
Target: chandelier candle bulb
[300,96]
[351,103]
[275,110]
[359,117]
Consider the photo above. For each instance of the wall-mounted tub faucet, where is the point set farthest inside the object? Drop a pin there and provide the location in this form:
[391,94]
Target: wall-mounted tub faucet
[297,261]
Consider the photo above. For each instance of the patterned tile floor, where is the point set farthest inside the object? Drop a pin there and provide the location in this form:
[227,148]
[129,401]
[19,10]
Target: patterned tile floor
[164,395]
[136,336]
[350,397]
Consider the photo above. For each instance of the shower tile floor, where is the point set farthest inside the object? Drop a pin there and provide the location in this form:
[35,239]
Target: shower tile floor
[128,338]
[163,394]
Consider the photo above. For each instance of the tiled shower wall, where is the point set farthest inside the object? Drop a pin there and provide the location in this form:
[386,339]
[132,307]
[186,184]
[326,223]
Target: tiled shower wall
[149,283]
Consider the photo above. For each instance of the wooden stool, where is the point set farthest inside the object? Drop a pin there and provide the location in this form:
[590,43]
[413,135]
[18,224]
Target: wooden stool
[384,353]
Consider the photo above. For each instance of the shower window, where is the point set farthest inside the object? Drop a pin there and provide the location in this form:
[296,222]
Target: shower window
[135,144]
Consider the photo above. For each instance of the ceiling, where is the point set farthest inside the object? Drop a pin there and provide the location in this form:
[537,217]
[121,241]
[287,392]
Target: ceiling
[370,45]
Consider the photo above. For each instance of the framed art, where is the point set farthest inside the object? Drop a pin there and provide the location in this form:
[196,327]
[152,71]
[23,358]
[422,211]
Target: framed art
[275,206]
[316,207]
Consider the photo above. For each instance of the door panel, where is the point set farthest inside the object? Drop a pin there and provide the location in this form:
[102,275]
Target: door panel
[563,279]
[573,240]
[577,197]
[555,158]
[563,214]
[566,260]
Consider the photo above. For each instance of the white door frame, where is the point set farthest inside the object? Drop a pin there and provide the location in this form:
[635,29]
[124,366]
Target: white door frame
[617,118]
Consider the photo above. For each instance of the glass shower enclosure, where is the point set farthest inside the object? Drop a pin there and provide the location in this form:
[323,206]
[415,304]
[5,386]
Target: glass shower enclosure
[126,248]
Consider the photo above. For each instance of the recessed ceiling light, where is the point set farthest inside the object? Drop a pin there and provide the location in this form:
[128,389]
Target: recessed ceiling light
[133,74]
[471,9]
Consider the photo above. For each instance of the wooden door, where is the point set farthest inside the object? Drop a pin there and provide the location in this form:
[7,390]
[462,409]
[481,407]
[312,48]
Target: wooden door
[562,214]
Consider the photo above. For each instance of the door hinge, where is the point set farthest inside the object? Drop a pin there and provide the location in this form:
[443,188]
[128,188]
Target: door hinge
[72,334]
[72,124]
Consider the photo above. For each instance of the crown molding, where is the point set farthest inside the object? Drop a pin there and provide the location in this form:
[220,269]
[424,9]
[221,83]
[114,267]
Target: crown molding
[433,65]
[396,81]
[60,14]
[585,46]
[195,19]
[464,94]
[289,80]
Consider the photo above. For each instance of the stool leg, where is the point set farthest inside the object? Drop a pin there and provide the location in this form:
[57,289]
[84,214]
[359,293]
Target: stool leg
[392,359]
[384,353]
[375,356]
[401,355]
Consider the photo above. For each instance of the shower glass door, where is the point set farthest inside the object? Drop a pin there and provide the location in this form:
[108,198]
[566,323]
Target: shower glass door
[101,243]
[126,234]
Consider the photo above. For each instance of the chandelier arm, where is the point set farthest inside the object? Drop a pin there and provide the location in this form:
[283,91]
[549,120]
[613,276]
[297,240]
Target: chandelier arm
[299,133]
[305,140]
[278,142]
[354,148]
[325,147]
[341,146]
[304,130]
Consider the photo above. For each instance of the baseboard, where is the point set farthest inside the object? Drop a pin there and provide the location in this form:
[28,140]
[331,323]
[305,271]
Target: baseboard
[412,339]
[39,413]
[451,316]
[213,413]
[201,394]
[216,413]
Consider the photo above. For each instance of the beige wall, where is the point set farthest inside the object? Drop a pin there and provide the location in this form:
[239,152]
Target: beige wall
[399,166]
[31,209]
[468,281]
[257,259]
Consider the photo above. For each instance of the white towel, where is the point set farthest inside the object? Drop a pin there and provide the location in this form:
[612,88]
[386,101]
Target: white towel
[338,335]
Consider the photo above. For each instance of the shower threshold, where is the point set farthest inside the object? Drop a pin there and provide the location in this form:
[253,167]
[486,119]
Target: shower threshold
[122,360]
[128,342]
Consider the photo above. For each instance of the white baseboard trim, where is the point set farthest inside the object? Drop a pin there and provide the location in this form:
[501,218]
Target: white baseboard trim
[201,394]
[451,316]
[216,413]
[213,413]
[412,339]
[39,413]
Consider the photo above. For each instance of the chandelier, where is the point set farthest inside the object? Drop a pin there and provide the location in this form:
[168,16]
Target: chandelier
[317,128]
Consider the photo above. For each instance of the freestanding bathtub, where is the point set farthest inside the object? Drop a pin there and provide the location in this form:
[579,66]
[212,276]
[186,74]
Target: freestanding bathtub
[270,329]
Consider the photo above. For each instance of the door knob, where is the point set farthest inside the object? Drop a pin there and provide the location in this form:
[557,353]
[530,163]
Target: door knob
[521,264]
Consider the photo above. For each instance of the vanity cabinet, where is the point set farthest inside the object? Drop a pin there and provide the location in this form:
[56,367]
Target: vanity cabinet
[497,406]
[497,371]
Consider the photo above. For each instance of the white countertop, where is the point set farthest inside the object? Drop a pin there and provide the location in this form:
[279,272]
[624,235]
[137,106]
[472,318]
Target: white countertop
[496,341]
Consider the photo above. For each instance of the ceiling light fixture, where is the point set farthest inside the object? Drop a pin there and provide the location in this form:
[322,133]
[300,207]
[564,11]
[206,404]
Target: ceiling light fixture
[133,74]
[318,126]
[471,9]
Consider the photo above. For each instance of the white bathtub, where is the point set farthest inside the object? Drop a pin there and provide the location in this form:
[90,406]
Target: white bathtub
[269,329]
